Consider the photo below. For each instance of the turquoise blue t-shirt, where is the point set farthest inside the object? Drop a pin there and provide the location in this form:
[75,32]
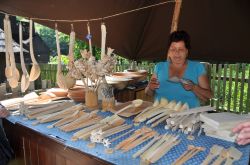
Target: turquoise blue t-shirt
[175,91]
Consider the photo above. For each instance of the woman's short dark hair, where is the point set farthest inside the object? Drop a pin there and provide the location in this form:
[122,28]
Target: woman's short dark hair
[181,35]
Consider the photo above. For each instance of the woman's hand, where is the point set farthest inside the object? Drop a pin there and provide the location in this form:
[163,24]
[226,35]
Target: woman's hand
[243,130]
[188,85]
[152,85]
[3,112]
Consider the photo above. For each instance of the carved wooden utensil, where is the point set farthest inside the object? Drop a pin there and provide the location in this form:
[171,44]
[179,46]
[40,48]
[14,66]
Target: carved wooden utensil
[25,76]
[214,151]
[35,69]
[233,155]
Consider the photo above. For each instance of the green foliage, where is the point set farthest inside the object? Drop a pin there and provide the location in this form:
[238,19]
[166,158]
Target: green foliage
[64,59]
[48,35]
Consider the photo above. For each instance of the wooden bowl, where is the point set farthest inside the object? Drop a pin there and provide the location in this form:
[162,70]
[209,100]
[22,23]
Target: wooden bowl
[117,82]
[77,94]
[135,76]
[59,92]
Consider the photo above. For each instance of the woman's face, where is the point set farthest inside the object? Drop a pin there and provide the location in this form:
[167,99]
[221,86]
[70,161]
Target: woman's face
[178,52]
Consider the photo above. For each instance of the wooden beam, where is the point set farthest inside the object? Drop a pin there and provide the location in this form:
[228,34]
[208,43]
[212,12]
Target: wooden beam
[176,15]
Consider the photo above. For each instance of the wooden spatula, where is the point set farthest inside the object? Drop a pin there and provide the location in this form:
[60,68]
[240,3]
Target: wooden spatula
[233,155]
[221,158]
[214,151]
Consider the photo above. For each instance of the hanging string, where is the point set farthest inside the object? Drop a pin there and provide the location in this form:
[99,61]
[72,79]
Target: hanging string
[97,19]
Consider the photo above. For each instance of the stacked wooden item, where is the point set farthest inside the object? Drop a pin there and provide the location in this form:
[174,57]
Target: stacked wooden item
[30,99]
[187,122]
[159,112]
[219,125]
[177,116]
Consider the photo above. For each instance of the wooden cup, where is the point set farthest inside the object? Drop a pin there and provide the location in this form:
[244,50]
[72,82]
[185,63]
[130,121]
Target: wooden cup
[91,99]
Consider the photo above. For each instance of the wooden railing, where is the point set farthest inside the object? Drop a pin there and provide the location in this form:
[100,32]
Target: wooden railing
[229,82]
[231,86]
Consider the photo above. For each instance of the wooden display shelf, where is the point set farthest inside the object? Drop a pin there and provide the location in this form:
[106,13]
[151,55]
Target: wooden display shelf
[33,148]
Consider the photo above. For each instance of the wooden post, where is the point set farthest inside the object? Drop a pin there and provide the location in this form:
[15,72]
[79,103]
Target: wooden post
[176,15]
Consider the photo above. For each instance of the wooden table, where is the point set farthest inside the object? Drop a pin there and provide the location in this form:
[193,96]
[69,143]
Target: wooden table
[34,148]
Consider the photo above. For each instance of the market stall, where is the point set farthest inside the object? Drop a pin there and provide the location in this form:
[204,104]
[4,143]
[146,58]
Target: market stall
[61,126]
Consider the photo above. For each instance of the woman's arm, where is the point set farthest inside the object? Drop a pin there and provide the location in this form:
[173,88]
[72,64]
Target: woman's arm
[202,90]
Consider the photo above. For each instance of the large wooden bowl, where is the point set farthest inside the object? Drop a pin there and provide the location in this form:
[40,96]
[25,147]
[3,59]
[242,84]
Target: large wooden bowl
[77,94]
[59,92]
[135,76]
[117,82]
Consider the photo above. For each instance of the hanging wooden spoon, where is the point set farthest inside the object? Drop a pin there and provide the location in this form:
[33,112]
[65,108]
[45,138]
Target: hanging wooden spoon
[35,69]
[59,75]
[13,80]
[8,71]
[25,76]
[70,81]
[103,44]
[60,78]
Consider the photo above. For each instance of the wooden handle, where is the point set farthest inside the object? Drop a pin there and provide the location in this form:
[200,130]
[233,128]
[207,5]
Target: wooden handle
[229,161]
[7,58]
[71,46]
[163,150]
[90,44]
[123,109]
[104,33]
[219,160]
[138,153]
[59,65]
[33,59]
[208,159]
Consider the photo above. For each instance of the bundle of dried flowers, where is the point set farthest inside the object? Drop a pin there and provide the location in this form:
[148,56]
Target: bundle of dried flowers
[88,69]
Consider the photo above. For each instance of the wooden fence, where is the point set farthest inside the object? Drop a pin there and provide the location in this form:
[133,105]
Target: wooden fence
[229,82]
[231,86]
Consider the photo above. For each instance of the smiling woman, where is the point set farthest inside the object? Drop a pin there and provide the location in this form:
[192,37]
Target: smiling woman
[196,86]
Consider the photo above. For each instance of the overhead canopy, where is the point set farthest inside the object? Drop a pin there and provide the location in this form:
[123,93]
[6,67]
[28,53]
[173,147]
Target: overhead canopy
[219,29]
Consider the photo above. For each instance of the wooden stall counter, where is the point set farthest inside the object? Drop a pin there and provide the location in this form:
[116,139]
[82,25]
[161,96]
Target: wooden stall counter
[34,148]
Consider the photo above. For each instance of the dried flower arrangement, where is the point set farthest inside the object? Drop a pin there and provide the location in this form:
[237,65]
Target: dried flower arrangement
[88,68]
[91,71]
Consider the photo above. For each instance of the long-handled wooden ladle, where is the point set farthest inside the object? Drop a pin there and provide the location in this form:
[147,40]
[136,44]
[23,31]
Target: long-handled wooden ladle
[60,78]
[25,76]
[8,71]
[35,69]
[69,79]
[14,75]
